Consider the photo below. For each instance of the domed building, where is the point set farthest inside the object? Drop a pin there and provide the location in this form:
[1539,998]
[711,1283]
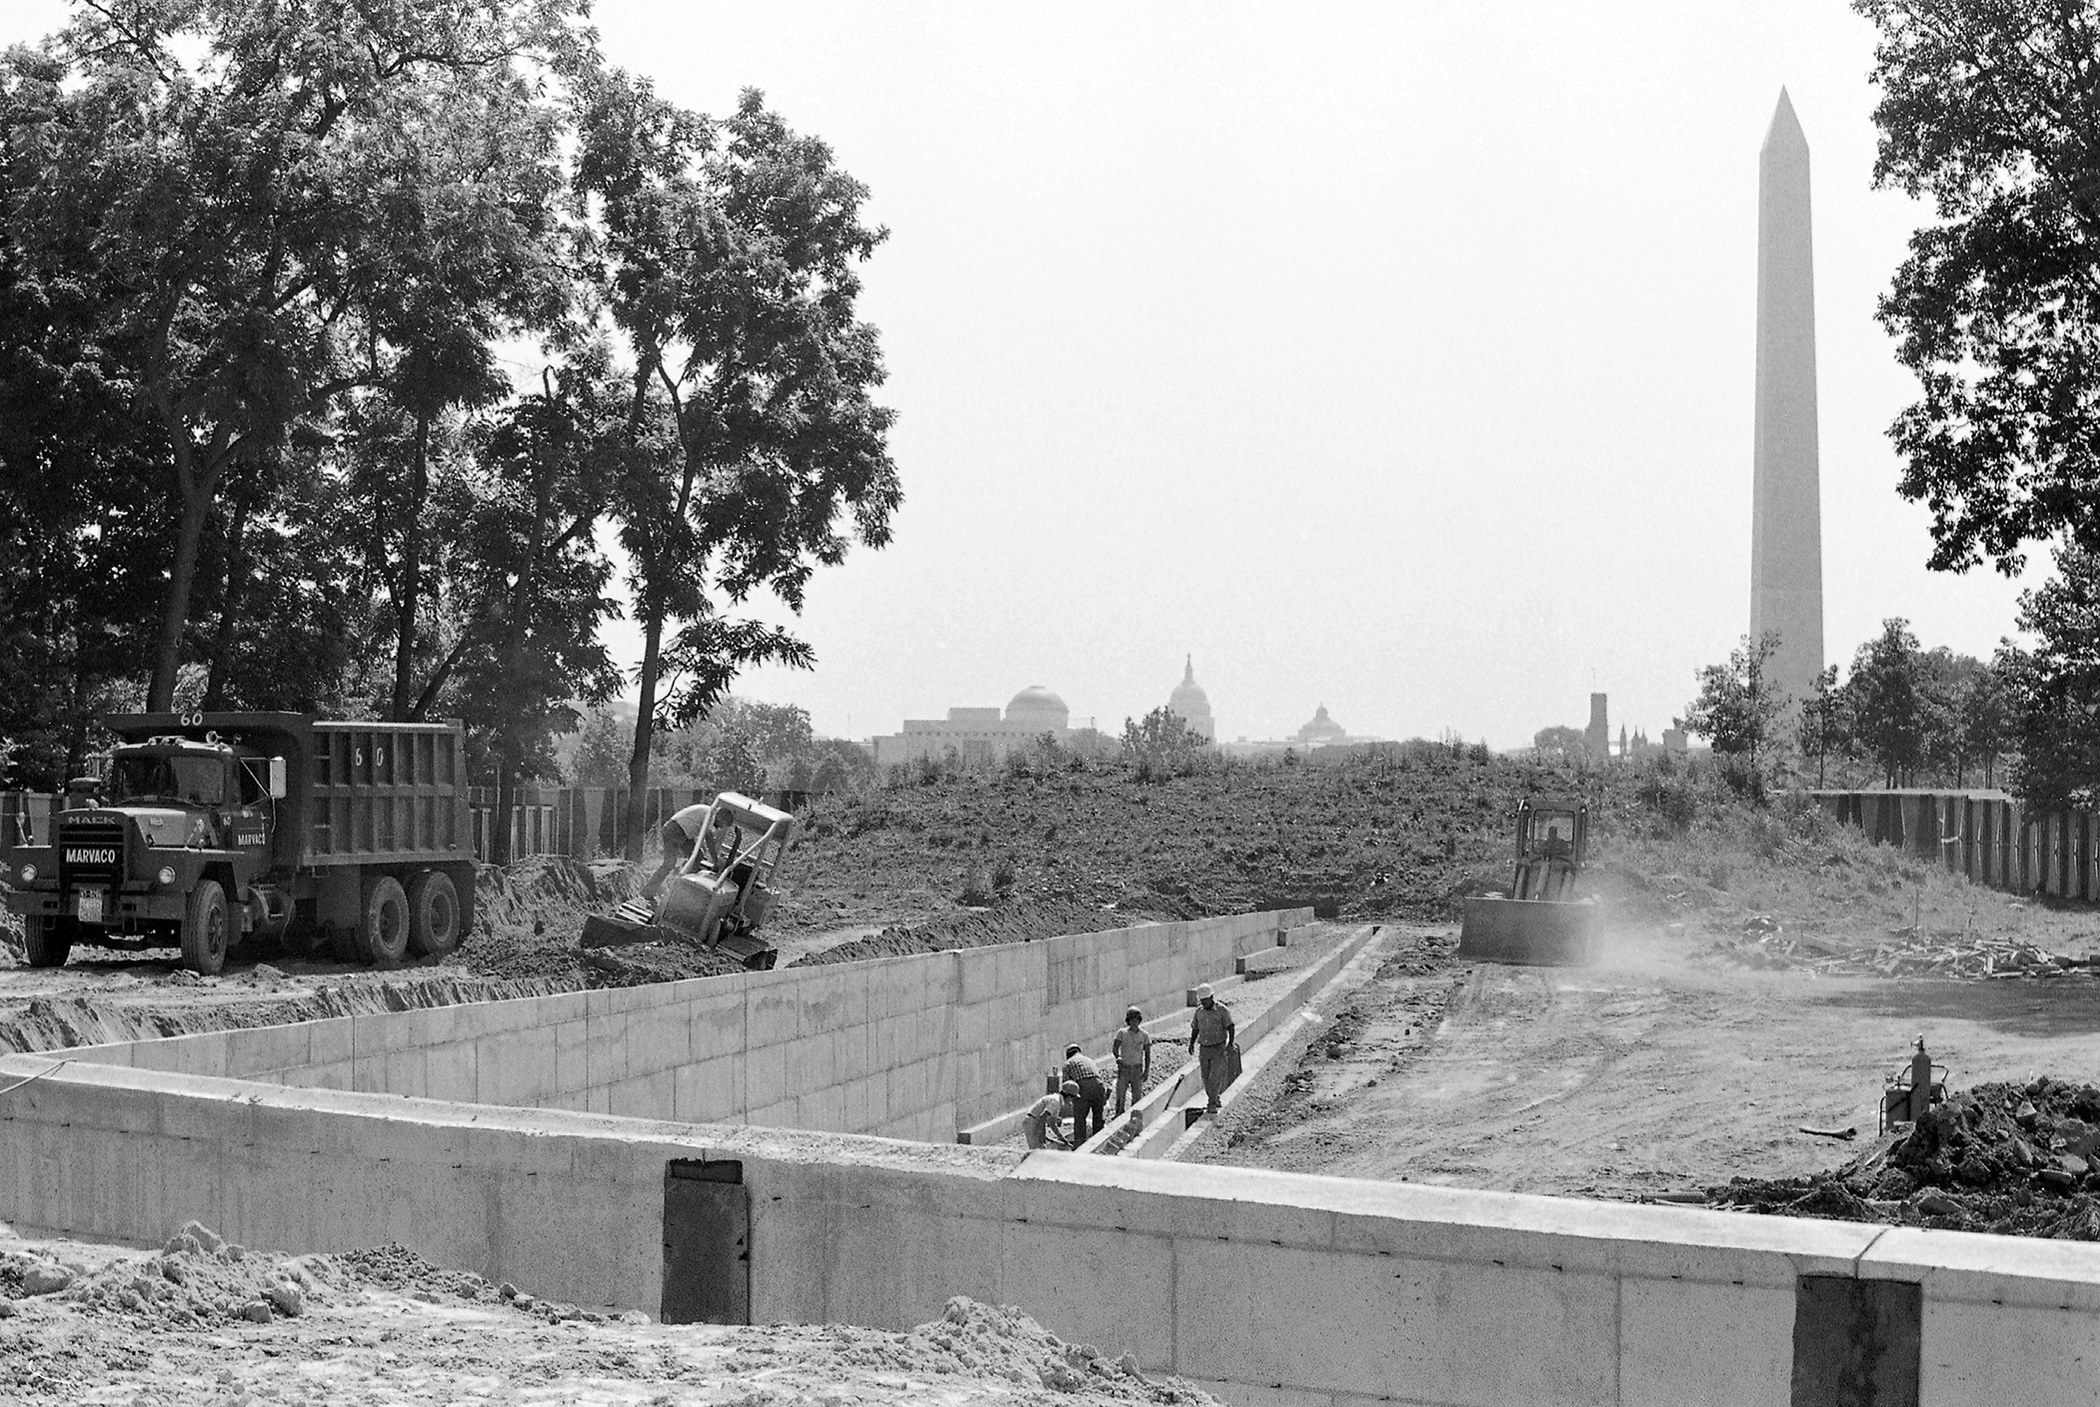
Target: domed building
[1322,731]
[1037,708]
[983,735]
[1191,704]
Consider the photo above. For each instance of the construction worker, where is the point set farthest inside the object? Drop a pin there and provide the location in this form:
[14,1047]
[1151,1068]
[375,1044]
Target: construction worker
[1133,1058]
[1093,1095]
[1045,1118]
[688,842]
[1211,1037]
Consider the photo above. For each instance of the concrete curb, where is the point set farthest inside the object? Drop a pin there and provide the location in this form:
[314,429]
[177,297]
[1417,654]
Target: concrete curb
[1163,1129]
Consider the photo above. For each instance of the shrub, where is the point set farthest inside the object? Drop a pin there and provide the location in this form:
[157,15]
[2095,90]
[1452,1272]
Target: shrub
[976,886]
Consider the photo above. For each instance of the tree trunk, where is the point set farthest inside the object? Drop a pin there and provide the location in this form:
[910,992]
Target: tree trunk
[175,606]
[229,608]
[500,823]
[408,600]
[644,731]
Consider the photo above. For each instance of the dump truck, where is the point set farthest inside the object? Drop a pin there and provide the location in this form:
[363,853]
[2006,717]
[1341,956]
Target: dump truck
[208,829]
[1539,921]
[718,893]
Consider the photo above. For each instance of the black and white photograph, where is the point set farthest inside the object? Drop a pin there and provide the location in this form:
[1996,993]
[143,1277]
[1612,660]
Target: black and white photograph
[794,703]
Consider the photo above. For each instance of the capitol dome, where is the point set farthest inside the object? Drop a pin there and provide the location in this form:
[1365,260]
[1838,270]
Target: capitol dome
[1038,707]
[1191,704]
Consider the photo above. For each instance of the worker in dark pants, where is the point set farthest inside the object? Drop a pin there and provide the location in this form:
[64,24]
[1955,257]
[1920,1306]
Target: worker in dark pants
[1210,1040]
[1093,1095]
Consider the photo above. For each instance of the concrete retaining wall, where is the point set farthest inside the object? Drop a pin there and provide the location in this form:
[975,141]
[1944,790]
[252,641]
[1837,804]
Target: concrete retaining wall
[910,1047]
[1274,1289]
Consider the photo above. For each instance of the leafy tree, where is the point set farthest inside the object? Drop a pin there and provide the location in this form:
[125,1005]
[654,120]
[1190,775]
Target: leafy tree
[1986,719]
[1739,707]
[1886,698]
[218,175]
[1986,112]
[1561,744]
[602,750]
[1825,724]
[735,745]
[727,255]
[536,578]
[1162,745]
[2053,691]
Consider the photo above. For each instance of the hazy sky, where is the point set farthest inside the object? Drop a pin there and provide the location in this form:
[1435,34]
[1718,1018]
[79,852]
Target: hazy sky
[1397,356]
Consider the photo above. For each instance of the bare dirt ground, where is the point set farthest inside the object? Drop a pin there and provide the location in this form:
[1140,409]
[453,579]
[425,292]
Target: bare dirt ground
[1656,1071]
[192,1324]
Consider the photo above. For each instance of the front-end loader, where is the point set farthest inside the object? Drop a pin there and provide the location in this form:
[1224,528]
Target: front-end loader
[721,892]
[1540,921]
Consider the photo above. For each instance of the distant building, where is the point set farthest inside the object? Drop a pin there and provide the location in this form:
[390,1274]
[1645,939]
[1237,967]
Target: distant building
[1597,737]
[1321,731]
[1191,704]
[981,734]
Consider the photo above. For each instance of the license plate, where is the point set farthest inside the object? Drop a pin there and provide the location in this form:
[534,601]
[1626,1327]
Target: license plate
[91,906]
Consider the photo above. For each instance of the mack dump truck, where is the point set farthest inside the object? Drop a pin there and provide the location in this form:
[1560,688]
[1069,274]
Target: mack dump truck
[207,829]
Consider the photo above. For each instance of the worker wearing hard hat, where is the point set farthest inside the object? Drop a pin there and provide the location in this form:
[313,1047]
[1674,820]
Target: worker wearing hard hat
[1045,1118]
[1211,1038]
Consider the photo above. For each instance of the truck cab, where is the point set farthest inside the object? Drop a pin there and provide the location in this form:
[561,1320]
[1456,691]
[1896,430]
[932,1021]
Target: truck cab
[167,846]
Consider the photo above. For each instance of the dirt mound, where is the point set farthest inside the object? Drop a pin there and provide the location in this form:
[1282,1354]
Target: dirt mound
[48,1023]
[983,1341]
[2013,1159]
[197,1279]
[1019,922]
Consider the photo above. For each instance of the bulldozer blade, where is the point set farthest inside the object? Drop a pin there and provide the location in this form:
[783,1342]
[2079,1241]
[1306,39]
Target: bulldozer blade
[1531,932]
[600,932]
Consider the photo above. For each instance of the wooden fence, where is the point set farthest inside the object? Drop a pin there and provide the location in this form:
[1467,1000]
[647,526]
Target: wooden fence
[1986,835]
[578,821]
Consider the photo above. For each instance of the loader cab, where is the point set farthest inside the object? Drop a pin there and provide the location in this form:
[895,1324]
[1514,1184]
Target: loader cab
[1552,844]
[1553,827]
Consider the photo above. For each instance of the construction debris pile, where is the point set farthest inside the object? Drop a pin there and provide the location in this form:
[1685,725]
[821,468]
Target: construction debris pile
[197,1278]
[1902,952]
[2012,1159]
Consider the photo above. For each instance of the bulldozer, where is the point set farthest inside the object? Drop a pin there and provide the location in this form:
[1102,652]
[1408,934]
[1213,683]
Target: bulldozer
[719,894]
[1539,922]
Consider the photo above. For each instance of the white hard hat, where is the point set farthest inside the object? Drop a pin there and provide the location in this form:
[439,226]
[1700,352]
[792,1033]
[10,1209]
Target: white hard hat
[1203,991]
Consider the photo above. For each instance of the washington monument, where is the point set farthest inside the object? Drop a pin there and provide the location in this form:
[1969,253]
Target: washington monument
[1786,524]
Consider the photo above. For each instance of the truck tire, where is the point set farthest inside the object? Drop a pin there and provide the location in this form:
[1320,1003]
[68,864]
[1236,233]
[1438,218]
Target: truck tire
[46,940]
[204,929]
[382,928]
[435,924]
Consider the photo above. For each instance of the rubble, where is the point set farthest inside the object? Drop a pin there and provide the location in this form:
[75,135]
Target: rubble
[1761,942]
[2011,1159]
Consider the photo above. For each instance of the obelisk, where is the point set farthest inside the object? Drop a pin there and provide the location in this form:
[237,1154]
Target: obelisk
[1786,524]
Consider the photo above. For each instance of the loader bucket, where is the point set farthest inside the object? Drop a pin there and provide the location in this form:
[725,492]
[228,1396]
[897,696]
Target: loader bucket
[1532,932]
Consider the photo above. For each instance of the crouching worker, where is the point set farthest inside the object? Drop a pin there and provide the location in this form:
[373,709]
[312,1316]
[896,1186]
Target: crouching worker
[1045,1118]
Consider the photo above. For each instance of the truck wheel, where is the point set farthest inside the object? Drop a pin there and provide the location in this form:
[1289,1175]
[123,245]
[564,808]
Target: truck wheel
[46,939]
[382,929]
[204,929]
[435,924]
